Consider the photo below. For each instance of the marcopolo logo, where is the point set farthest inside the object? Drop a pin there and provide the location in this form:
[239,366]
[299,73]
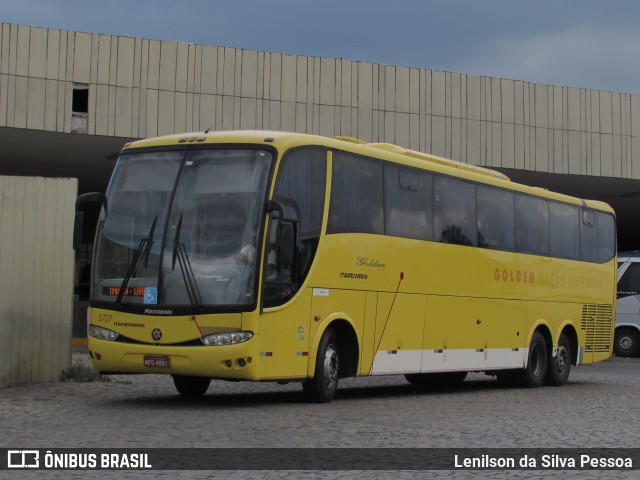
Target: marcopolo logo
[23,459]
[156,334]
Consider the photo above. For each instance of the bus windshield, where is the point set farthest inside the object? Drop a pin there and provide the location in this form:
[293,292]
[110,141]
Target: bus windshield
[180,228]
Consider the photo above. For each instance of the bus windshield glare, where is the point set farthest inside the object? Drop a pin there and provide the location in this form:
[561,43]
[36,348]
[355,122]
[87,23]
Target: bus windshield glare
[180,228]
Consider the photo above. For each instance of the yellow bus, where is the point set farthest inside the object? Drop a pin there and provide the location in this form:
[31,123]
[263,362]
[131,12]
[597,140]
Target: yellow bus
[271,256]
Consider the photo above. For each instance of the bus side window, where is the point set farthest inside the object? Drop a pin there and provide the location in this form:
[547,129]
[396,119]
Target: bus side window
[588,236]
[408,205]
[496,218]
[532,224]
[455,211]
[629,284]
[356,196]
[606,237]
[564,230]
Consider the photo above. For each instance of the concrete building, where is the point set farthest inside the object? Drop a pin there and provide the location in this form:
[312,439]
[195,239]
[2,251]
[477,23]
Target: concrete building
[69,100]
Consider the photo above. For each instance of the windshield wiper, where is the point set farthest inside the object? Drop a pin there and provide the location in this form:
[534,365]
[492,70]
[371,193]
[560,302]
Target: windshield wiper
[144,242]
[180,253]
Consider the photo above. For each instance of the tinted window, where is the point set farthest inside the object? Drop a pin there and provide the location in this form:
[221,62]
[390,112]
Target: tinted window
[356,195]
[496,221]
[425,206]
[606,237]
[302,179]
[408,196]
[532,224]
[455,211]
[588,236]
[629,284]
[564,230]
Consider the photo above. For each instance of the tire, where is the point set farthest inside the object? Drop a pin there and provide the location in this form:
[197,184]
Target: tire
[558,367]
[436,378]
[191,386]
[534,373]
[626,342]
[323,386]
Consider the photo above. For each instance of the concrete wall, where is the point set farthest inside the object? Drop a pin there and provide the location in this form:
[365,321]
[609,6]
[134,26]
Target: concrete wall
[36,278]
[141,88]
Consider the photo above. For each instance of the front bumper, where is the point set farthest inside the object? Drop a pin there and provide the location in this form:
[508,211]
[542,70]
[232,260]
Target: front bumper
[233,362]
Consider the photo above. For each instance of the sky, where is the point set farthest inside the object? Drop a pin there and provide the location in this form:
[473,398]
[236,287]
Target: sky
[580,43]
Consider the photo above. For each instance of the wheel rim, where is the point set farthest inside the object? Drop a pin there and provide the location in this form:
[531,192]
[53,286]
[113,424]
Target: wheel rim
[625,343]
[536,361]
[562,359]
[331,367]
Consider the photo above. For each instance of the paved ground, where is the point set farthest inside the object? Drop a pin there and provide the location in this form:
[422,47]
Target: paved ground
[596,409]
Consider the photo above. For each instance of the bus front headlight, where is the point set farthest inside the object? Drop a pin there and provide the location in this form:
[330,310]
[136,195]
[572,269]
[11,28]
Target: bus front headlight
[226,338]
[102,333]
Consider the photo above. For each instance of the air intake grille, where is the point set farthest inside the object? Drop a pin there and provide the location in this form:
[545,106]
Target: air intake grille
[597,323]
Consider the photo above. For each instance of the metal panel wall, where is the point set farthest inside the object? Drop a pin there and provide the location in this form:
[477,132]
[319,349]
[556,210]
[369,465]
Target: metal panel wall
[142,88]
[36,278]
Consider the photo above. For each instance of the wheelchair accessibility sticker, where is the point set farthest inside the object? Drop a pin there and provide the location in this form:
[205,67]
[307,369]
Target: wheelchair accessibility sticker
[150,295]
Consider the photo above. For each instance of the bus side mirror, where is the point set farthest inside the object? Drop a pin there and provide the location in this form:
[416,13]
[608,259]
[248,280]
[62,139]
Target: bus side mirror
[78,229]
[286,235]
[286,243]
[84,228]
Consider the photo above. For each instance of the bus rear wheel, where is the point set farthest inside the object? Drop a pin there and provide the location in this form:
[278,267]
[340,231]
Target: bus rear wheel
[626,343]
[534,373]
[191,386]
[559,366]
[323,386]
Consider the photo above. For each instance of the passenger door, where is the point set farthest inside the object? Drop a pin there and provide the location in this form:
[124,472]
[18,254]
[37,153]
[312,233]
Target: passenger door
[286,303]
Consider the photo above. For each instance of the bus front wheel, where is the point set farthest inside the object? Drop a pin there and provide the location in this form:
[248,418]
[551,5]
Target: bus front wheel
[191,386]
[324,384]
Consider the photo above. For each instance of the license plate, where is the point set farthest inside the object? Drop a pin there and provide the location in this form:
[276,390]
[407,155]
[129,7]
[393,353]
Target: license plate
[157,361]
